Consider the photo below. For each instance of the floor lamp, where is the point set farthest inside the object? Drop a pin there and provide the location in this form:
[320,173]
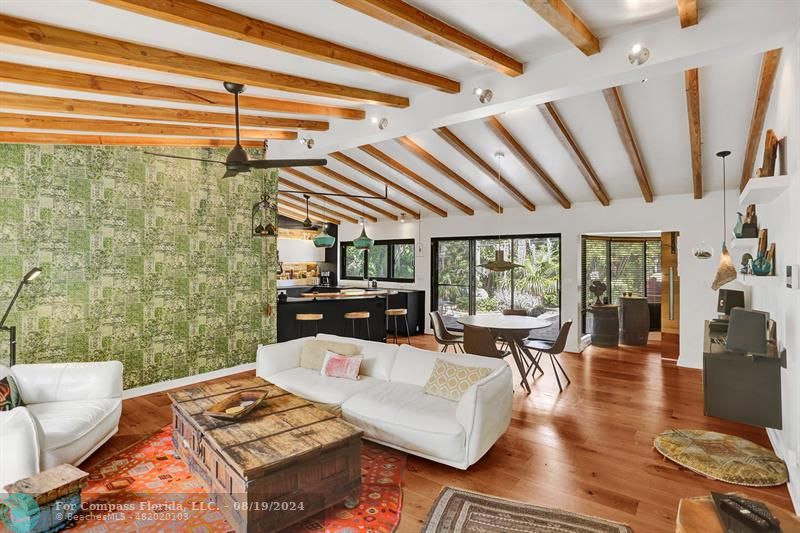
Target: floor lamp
[12,330]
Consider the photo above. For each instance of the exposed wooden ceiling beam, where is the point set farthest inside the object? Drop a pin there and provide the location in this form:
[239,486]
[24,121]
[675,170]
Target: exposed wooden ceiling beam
[290,214]
[429,158]
[559,15]
[470,154]
[614,102]
[213,19]
[530,162]
[40,122]
[77,81]
[565,137]
[30,34]
[24,137]
[327,186]
[301,208]
[691,80]
[55,104]
[355,165]
[391,162]
[687,12]
[293,185]
[316,208]
[766,79]
[341,178]
[408,18]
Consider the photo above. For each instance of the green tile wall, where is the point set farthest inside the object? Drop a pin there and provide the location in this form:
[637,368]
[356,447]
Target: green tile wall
[146,260]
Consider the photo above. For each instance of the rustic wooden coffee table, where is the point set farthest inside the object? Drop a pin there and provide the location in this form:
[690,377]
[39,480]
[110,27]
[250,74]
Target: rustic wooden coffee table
[284,461]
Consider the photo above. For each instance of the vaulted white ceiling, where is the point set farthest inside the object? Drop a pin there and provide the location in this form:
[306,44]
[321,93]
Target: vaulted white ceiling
[555,71]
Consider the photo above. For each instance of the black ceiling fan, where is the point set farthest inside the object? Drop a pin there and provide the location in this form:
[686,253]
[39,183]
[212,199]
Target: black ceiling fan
[237,160]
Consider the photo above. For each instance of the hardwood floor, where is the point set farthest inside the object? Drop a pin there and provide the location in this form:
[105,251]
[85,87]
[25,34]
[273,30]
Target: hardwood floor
[588,449]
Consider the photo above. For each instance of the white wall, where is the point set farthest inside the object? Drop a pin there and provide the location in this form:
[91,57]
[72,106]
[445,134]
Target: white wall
[299,251]
[696,220]
[782,220]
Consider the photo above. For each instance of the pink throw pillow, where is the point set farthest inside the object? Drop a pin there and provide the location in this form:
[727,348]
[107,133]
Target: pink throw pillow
[340,366]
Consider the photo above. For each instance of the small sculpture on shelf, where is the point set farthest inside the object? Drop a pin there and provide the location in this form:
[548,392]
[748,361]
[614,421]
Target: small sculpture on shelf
[598,289]
[737,229]
[750,225]
[762,266]
[747,264]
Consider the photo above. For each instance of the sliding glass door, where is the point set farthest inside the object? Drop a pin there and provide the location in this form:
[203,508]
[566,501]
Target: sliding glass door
[460,286]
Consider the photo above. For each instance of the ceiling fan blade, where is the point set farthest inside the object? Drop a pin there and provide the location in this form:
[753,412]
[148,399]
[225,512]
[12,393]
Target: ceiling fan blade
[281,163]
[184,157]
[230,173]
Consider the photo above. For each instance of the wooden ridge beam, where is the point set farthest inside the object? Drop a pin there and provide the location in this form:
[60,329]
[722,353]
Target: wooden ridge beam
[327,186]
[565,137]
[56,104]
[341,178]
[325,199]
[766,79]
[355,165]
[20,137]
[290,214]
[313,206]
[92,83]
[687,12]
[415,21]
[301,208]
[429,158]
[614,102]
[40,122]
[452,139]
[389,161]
[530,162]
[559,15]
[39,36]
[213,19]
[691,79]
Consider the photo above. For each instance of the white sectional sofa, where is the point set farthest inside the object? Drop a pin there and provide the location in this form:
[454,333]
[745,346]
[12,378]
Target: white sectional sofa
[70,410]
[388,401]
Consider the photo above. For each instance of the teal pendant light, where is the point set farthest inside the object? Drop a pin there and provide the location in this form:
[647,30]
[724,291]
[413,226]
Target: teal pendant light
[363,242]
[323,239]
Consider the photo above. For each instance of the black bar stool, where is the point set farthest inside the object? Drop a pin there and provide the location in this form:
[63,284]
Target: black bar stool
[396,313]
[302,318]
[355,316]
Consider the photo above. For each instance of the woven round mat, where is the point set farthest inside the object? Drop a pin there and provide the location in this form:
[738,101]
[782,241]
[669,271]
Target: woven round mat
[723,457]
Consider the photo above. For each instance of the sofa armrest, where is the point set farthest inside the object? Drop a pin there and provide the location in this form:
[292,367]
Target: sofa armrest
[62,382]
[274,358]
[485,412]
[19,446]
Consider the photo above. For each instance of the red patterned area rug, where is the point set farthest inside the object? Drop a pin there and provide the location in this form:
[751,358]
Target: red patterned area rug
[147,489]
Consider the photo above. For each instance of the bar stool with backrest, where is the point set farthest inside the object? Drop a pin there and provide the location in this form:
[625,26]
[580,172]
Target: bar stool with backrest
[355,316]
[553,349]
[444,336]
[302,318]
[396,313]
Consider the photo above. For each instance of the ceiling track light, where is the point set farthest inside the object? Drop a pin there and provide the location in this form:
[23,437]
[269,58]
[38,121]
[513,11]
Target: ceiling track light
[638,54]
[381,122]
[484,95]
[308,142]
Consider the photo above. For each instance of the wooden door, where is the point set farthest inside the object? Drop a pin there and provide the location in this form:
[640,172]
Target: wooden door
[670,296]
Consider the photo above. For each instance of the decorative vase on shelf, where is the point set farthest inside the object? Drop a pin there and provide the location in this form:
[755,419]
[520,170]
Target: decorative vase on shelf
[737,230]
[761,265]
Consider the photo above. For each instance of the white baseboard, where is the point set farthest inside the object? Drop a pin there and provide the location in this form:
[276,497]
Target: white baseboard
[776,439]
[161,386]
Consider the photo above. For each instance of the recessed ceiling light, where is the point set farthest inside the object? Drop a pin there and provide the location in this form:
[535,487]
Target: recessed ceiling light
[638,54]
[484,95]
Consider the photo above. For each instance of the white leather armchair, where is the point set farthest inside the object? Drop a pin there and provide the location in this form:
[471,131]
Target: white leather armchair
[70,410]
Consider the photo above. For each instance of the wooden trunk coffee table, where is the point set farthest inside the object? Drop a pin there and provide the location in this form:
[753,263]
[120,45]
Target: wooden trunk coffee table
[284,461]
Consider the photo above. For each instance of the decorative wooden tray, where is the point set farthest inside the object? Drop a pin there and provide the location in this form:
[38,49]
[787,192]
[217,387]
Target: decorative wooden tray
[233,408]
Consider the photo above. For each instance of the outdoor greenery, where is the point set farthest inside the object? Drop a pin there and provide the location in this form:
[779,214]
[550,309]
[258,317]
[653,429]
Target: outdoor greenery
[392,261]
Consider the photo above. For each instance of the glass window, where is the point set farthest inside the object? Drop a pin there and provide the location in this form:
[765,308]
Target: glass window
[353,262]
[378,261]
[404,261]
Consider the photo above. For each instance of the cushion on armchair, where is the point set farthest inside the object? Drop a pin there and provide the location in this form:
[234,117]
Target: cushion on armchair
[9,391]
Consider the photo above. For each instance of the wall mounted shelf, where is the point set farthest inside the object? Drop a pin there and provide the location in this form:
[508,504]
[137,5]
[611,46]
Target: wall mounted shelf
[757,281]
[743,244]
[764,190]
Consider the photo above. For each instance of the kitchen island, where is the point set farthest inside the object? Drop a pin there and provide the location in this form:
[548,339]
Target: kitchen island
[332,305]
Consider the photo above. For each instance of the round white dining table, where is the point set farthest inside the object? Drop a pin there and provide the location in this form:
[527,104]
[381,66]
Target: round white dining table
[512,328]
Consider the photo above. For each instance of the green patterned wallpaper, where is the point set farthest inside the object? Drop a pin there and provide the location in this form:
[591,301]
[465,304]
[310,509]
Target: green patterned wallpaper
[146,260]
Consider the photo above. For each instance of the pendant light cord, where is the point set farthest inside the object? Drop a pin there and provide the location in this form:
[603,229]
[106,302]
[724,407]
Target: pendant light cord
[724,202]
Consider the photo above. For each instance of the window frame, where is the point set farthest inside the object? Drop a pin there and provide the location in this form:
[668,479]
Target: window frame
[390,256]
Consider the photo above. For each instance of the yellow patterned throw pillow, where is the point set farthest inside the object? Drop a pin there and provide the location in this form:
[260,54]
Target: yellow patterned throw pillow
[451,381]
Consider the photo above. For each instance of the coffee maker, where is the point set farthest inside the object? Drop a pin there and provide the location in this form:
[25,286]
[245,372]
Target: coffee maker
[325,279]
